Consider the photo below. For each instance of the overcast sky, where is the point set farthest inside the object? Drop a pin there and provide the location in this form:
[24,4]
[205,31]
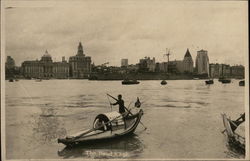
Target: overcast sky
[112,30]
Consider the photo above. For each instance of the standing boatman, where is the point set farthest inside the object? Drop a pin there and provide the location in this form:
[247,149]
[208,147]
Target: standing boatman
[120,102]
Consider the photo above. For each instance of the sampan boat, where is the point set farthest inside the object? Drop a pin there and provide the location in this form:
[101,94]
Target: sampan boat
[233,138]
[106,126]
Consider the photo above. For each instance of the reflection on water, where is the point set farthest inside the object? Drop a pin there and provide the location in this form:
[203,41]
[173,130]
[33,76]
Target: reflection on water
[47,126]
[126,147]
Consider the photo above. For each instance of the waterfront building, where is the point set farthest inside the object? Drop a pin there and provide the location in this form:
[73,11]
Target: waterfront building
[224,70]
[133,68]
[80,65]
[202,62]
[9,67]
[124,63]
[238,71]
[179,66]
[214,70]
[45,68]
[172,67]
[188,64]
[10,63]
[163,67]
[147,64]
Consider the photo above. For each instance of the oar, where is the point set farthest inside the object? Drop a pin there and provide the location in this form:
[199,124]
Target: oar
[93,129]
[110,104]
[127,110]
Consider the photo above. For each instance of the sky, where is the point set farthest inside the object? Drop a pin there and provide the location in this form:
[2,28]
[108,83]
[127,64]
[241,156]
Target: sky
[112,30]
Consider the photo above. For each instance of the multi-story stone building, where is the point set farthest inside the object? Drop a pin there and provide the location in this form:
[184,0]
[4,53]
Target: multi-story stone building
[238,71]
[9,67]
[214,70]
[45,68]
[80,65]
[188,64]
[147,64]
[202,62]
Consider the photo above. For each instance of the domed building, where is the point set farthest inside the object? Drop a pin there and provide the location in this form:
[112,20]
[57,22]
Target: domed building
[188,64]
[45,68]
[46,57]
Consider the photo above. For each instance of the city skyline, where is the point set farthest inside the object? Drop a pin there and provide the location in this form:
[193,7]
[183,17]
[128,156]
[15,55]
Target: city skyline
[129,30]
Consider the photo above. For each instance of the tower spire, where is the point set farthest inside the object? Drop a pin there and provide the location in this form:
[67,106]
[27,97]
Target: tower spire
[80,50]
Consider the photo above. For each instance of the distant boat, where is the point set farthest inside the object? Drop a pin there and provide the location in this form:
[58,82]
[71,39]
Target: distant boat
[226,81]
[38,80]
[11,80]
[129,82]
[163,82]
[242,83]
[210,81]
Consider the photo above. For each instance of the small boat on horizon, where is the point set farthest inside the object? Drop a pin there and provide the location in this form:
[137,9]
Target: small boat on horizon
[163,82]
[242,83]
[129,82]
[226,81]
[38,80]
[210,81]
[11,80]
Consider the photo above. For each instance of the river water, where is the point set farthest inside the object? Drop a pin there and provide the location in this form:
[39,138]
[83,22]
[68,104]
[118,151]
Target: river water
[183,118]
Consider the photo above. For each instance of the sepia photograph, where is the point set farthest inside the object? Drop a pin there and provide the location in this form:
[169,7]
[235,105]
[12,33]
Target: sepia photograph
[127,80]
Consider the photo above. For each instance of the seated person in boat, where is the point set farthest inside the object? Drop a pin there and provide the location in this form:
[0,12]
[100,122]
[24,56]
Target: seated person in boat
[100,125]
[120,102]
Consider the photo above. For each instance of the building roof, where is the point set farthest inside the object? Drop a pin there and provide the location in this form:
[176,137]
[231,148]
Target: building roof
[187,54]
[46,54]
[202,50]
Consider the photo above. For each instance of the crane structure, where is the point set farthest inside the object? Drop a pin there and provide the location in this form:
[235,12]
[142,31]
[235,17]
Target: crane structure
[167,53]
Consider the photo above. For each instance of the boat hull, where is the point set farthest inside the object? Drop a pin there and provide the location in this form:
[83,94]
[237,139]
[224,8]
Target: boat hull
[130,83]
[99,136]
[226,81]
[233,138]
[242,83]
[209,82]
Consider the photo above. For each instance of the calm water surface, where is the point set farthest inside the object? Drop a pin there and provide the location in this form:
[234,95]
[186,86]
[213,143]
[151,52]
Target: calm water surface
[183,118]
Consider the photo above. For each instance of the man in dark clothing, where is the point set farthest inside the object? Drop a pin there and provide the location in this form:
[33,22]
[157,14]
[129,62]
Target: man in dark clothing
[120,102]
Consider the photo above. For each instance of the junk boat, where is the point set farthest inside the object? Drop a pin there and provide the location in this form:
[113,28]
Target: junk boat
[129,82]
[163,82]
[242,83]
[106,126]
[234,138]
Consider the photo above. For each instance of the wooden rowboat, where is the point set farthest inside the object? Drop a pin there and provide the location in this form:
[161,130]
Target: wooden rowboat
[106,126]
[233,138]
